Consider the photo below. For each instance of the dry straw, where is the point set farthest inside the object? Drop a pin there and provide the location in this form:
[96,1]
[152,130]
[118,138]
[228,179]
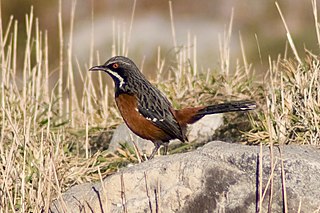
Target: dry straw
[48,133]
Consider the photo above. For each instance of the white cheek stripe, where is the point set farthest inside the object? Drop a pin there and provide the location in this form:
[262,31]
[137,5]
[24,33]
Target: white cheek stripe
[121,80]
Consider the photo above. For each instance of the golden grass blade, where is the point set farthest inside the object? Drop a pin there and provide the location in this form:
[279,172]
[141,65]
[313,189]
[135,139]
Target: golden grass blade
[289,37]
[316,22]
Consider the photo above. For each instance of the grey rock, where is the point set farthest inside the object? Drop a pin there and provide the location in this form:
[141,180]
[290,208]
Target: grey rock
[200,132]
[203,130]
[218,177]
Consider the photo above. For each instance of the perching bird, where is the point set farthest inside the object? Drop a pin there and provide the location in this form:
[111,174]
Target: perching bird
[148,113]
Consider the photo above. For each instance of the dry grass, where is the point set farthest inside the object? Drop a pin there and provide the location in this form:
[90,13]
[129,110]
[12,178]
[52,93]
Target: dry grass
[44,143]
[48,134]
[291,96]
[291,114]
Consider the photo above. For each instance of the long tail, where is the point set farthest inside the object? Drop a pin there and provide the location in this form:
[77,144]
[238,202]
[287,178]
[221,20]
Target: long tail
[220,108]
[227,107]
[192,114]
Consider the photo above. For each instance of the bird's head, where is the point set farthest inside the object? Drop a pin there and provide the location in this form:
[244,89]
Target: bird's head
[120,68]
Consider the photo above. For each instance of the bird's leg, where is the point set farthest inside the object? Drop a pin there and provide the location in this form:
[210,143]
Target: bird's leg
[157,145]
[165,148]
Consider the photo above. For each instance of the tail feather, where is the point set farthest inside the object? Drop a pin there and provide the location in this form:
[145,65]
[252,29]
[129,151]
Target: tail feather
[192,114]
[225,107]
[228,107]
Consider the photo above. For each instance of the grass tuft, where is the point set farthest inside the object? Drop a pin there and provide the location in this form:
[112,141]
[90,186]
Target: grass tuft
[291,113]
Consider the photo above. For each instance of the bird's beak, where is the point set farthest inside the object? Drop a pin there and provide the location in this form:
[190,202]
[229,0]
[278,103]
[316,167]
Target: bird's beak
[98,68]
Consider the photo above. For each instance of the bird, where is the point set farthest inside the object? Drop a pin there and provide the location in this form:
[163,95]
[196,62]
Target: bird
[147,111]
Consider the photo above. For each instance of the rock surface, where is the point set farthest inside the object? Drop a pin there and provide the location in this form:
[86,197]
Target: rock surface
[200,131]
[218,177]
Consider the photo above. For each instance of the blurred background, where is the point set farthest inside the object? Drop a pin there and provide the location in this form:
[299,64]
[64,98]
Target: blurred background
[258,22]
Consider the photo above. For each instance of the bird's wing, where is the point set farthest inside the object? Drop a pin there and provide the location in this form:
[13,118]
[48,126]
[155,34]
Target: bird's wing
[156,108]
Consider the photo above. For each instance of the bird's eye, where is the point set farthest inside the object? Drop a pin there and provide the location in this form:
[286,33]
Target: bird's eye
[115,66]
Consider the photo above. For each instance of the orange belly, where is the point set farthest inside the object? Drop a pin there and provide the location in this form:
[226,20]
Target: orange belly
[127,105]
